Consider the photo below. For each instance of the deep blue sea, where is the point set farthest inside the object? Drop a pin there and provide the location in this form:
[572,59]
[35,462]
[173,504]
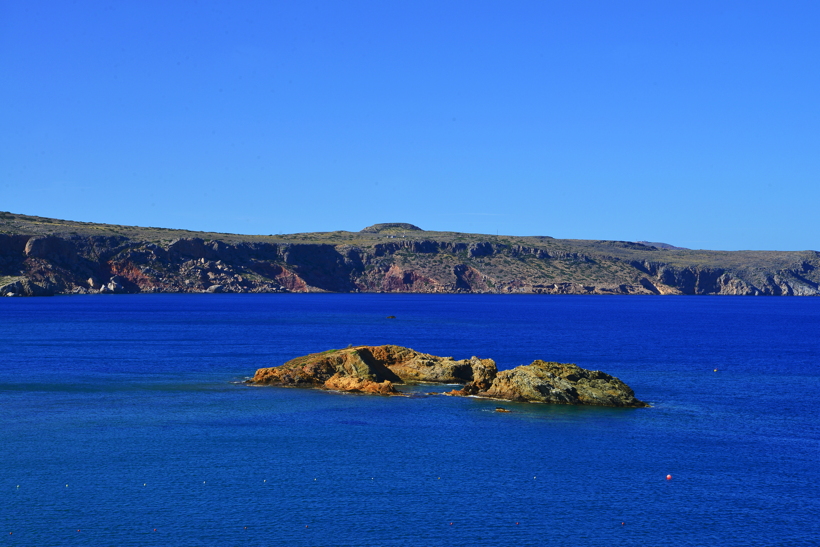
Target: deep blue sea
[123,421]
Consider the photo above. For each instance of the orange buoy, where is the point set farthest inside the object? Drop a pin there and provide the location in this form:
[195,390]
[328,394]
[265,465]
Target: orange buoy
[669,477]
[622,524]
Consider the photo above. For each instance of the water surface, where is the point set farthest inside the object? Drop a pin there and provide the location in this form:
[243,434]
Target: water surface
[122,415]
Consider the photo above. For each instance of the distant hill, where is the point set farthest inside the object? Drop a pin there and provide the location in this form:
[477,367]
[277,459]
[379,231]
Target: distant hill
[43,256]
[662,245]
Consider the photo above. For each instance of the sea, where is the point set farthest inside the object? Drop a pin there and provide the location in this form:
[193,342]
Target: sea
[125,421]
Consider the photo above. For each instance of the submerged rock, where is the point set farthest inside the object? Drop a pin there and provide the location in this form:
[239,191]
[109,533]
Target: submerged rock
[375,369]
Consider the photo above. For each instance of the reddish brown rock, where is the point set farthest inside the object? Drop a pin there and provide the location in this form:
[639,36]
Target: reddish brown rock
[347,383]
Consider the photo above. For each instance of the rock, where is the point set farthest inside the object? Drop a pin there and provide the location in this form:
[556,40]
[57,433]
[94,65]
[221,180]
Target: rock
[24,287]
[375,364]
[193,247]
[346,383]
[484,372]
[318,368]
[375,369]
[13,244]
[52,248]
[215,288]
[415,367]
[482,248]
[115,284]
[561,383]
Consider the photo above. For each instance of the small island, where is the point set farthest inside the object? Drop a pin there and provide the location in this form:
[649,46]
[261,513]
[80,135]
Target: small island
[378,369]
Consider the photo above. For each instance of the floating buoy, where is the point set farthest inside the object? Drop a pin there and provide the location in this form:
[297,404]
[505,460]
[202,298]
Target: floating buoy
[516,524]
[67,487]
[715,370]
[669,477]
[622,524]
[266,480]
[451,524]
[155,529]
[306,525]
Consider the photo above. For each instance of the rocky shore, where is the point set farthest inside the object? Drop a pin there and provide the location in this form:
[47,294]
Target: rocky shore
[378,369]
[40,257]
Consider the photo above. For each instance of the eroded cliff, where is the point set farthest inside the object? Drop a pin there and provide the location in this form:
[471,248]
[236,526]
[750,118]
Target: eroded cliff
[47,256]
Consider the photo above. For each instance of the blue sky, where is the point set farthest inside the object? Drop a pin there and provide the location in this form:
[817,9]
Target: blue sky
[692,123]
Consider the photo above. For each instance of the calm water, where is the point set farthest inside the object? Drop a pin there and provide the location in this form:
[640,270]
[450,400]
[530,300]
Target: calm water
[122,424]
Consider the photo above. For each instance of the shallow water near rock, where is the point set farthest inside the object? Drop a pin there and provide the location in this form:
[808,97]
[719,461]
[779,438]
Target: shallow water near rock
[122,415]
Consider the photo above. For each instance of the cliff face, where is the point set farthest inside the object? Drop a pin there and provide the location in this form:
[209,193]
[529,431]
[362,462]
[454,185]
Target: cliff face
[376,369]
[41,257]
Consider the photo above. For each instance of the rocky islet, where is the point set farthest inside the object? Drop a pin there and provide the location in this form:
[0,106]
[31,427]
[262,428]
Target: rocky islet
[378,369]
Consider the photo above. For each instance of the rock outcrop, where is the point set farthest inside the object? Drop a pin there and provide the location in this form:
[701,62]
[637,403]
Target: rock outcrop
[376,369]
[337,382]
[561,383]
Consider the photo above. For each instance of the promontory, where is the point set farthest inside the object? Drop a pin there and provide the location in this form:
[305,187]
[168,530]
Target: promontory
[378,369]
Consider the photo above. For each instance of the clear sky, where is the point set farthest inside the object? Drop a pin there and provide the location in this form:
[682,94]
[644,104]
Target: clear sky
[691,123]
